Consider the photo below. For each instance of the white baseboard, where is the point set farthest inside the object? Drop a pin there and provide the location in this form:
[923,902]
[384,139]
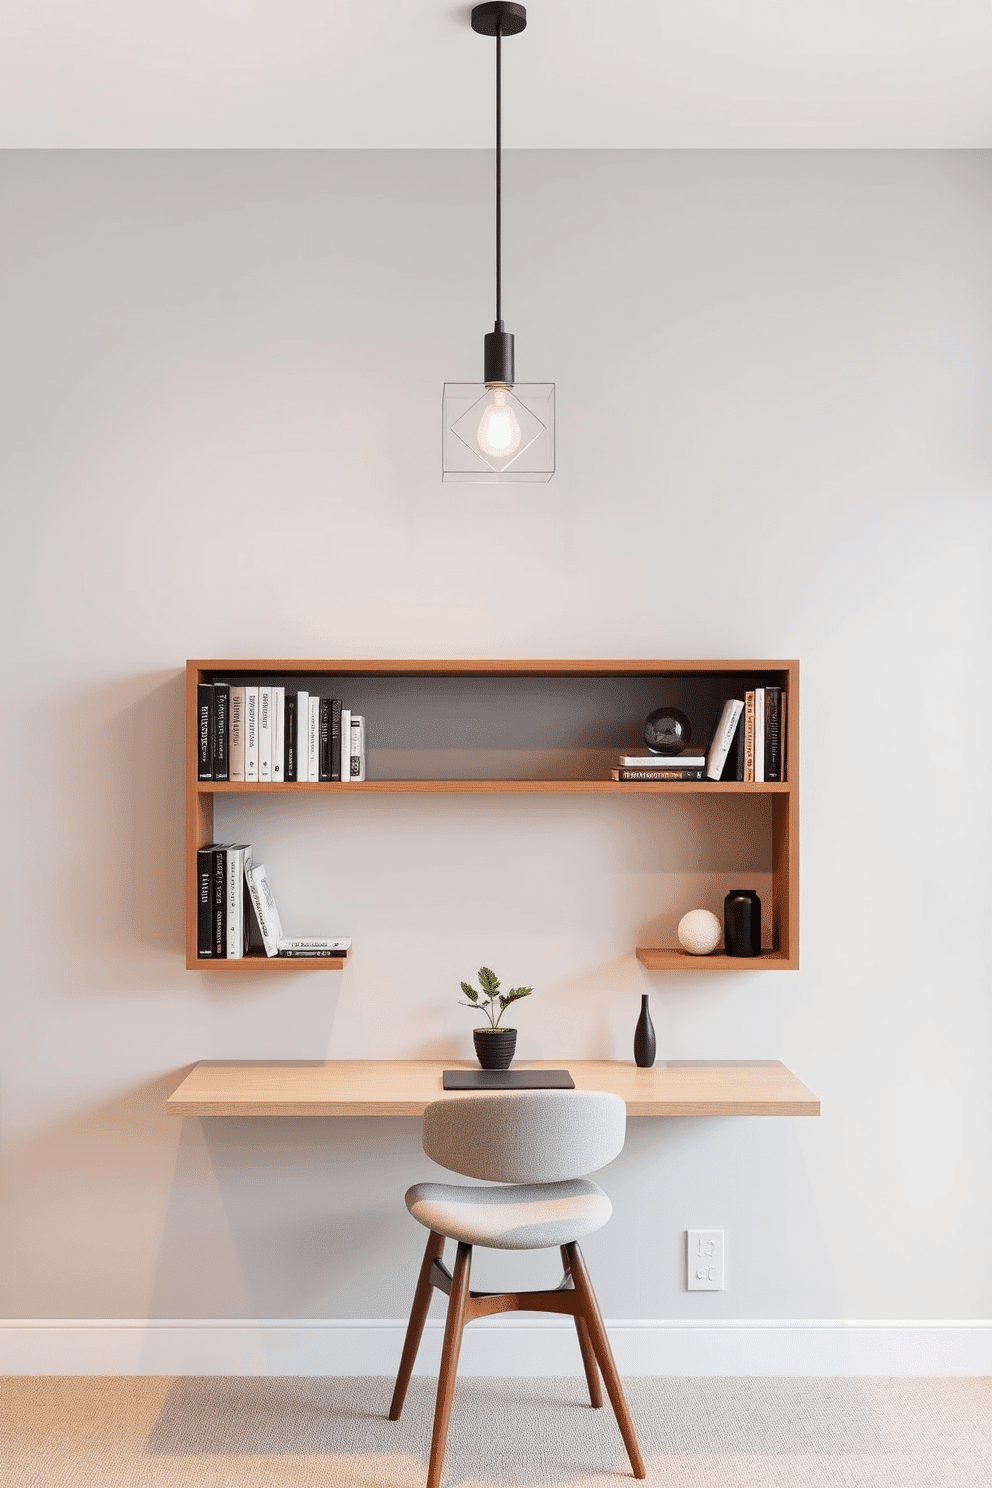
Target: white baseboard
[493,1347]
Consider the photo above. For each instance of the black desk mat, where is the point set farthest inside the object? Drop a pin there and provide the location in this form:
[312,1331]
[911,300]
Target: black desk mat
[529,1079]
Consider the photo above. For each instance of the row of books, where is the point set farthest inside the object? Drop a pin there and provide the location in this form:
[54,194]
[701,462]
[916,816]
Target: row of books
[231,892]
[266,733]
[747,744]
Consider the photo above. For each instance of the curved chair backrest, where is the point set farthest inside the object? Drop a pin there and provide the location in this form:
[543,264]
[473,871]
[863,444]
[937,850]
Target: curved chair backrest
[527,1136]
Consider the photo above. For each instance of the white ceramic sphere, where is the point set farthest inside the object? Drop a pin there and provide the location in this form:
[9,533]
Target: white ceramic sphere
[699,932]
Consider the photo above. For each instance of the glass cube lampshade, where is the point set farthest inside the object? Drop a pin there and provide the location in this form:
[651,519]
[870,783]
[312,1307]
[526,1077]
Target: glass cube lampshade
[498,436]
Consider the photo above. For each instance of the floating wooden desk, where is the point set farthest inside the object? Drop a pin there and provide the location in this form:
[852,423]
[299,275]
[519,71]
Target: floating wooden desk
[403,1087]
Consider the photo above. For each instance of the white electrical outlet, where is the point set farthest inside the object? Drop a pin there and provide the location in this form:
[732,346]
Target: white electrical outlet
[704,1260]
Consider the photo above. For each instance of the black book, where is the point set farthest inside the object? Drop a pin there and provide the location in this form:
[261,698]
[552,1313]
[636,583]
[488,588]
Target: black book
[773,733]
[324,739]
[220,733]
[336,739]
[661,773]
[289,739]
[219,906]
[337,955]
[204,731]
[734,767]
[204,902]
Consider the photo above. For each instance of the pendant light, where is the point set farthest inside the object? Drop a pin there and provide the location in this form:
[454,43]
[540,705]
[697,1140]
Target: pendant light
[499,431]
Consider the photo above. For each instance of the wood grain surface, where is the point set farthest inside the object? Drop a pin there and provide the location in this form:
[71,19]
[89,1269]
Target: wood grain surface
[401,1087]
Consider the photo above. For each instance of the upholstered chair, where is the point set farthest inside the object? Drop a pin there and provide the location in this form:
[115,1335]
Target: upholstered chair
[538,1145]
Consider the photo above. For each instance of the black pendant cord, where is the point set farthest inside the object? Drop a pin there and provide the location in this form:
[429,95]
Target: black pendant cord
[499,175]
[499,18]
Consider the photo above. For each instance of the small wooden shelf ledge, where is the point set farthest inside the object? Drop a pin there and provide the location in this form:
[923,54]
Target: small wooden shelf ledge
[404,1087]
[256,962]
[659,958]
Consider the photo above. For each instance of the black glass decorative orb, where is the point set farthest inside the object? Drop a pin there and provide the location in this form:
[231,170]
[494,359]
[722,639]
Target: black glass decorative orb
[667,731]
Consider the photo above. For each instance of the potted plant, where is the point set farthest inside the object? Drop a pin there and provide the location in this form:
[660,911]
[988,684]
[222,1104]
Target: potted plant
[493,1045]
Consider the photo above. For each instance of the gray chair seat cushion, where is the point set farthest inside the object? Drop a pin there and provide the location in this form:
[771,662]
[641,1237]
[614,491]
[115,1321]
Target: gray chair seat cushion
[524,1216]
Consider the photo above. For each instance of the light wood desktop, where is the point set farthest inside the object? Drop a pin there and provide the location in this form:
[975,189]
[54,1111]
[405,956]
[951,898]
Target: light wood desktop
[404,1087]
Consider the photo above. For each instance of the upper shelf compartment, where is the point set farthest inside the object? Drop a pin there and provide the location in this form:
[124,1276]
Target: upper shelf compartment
[514,726]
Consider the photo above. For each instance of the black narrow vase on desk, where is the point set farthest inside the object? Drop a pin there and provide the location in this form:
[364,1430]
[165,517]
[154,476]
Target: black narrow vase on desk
[644,1039]
[742,923]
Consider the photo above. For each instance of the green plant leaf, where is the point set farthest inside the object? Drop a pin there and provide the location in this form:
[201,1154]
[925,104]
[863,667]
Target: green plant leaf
[514,995]
[489,981]
[469,992]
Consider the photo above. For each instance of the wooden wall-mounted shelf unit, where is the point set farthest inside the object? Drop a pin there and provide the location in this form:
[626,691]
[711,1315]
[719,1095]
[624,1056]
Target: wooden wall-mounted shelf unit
[603,704]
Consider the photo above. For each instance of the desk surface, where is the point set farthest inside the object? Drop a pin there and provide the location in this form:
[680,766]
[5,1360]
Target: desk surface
[403,1087]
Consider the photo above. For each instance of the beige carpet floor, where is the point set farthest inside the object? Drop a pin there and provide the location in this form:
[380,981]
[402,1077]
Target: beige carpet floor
[525,1433]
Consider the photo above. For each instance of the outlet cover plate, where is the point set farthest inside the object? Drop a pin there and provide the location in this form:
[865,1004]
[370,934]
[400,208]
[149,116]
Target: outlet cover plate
[705,1260]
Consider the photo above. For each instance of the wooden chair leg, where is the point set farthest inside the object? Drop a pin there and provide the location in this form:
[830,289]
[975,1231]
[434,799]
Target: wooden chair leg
[589,1364]
[586,1350]
[593,1320]
[415,1327]
[453,1326]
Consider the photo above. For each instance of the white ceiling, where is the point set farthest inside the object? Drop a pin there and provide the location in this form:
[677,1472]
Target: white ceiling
[590,73]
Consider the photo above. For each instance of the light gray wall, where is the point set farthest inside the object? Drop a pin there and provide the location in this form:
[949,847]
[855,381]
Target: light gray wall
[220,407]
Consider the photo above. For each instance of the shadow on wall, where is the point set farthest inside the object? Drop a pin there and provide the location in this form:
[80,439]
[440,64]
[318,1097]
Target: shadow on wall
[290,1217]
[121,808]
[110,1169]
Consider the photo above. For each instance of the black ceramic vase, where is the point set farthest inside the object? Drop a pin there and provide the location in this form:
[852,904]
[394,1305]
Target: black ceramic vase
[495,1047]
[644,1039]
[742,923]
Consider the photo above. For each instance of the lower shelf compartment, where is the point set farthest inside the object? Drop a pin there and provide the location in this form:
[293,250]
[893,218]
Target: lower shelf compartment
[657,958]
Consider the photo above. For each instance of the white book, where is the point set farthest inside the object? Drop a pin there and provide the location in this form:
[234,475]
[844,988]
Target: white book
[315,943]
[278,733]
[357,746]
[345,746]
[251,733]
[689,759]
[264,905]
[759,735]
[236,856]
[723,735]
[313,739]
[302,738]
[265,733]
[237,719]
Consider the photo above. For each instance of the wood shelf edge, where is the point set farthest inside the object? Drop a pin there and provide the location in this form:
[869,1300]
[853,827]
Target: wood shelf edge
[268,963]
[485,666]
[495,787]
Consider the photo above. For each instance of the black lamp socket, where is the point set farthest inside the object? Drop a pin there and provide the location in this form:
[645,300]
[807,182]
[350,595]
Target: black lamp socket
[499,356]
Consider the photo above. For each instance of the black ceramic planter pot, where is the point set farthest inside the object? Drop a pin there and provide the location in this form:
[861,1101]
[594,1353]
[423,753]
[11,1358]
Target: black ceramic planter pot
[495,1048]
[742,923]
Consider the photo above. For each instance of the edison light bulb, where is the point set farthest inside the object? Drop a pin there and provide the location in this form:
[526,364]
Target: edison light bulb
[499,431]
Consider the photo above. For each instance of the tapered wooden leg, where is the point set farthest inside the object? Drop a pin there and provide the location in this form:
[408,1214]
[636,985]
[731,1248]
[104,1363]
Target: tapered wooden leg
[585,1348]
[415,1327]
[604,1356]
[453,1326]
[589,1364]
